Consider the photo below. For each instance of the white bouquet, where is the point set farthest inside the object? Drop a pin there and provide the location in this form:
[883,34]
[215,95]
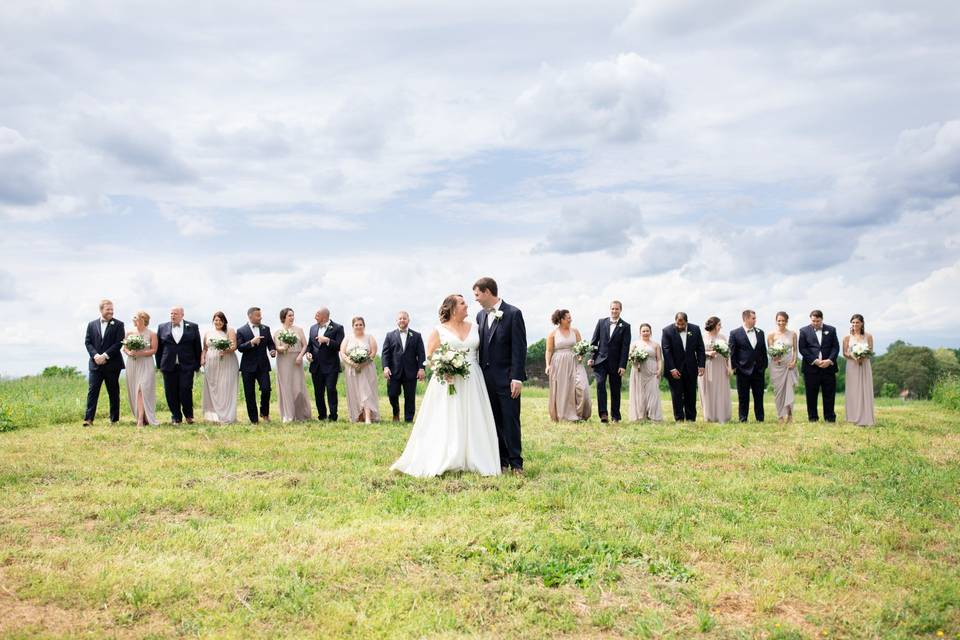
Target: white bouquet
[220,344]
[135,342]
[778,349]
[583,350]
[722,348]
[860,350]
[287,337]
[358,355]
[448,362]
[638,356]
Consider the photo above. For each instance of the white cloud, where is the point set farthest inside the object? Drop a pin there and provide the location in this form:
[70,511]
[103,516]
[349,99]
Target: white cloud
[295,221]
[599,223]
[609,101]
[24,173]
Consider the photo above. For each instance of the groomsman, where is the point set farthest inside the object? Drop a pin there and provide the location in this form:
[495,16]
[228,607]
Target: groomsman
[748,357]
[684,359]
[611,340]
[104,341]
[819,347]
[178,358]
[255,343]
[403,356]
[323,354]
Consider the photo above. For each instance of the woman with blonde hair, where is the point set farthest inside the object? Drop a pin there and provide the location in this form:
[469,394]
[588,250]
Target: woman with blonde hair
[142,371]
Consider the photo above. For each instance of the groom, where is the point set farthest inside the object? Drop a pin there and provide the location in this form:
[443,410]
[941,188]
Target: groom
[503,357]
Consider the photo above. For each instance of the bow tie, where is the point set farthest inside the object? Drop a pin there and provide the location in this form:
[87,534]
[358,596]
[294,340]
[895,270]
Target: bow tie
[751,330]
[614,321]
[176,326]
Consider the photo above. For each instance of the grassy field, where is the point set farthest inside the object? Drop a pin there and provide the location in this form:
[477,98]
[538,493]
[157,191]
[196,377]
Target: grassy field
[629,530]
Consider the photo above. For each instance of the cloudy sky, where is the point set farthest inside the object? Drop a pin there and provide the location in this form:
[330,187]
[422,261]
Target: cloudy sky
[372,156]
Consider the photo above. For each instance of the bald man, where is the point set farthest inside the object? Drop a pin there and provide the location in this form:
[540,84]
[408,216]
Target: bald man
[323,354]
[178,358]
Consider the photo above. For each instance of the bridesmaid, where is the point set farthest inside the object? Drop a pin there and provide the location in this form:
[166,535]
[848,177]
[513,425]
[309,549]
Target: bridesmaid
[220,369]
[859,372]
[291,382]
[363,401]
[142,372]
[715,382]
[569,397]
[645,380]
[783,369]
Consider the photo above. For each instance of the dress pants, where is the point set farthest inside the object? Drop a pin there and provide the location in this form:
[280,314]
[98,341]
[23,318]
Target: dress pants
[96,379]
[325,383]
[178,390]
[818,380]
[683,392]
[262,377]
[409,388]
[750,383]
[601,374]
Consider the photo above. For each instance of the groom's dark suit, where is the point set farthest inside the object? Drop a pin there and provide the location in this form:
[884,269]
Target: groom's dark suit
[255,367]
[325,367]
[613,347]
[817,379]
[178,361]
[749,363]
[405,360]
[108,344]
[687,361]
[503,358]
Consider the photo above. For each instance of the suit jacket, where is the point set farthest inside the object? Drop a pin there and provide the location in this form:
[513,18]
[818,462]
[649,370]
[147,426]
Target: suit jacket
[612,349]
[810,348]
[503,346]
[744,358]
[403,362]
[187,351]
[254,357]
[675,357]
[326,357]
[109,344]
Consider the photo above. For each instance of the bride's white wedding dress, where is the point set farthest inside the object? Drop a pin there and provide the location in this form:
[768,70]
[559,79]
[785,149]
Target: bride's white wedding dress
[454,432]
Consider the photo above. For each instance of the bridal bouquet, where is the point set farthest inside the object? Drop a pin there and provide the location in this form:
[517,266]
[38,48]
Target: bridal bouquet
[583,350]
[778,349]
[861,350]
[220,344]
[287,337]
[358,355]
[722,348]
[135,342]
[448,362]
[638,356]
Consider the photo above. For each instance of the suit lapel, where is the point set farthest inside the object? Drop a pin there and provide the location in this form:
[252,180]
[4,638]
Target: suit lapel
[493,328]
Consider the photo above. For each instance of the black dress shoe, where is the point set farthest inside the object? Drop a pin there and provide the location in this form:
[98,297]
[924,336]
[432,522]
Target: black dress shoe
[396,418]
[88,423]
[517,471]
[743,419]
[604,419]
[189,420]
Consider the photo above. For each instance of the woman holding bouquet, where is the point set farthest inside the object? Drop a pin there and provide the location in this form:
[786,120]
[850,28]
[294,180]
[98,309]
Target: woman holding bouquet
[857,349]
[645,374]
[357,353]
[220,368]
[291,382]
[715,382]
[782,347]
[569,394]
[140,345]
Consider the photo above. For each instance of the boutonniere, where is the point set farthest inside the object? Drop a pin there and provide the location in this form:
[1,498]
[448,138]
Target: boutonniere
[186,324]
[620,325]
[826,333]
[497,314]
[111,324]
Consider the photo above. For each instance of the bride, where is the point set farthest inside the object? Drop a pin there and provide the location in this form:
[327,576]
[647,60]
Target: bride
[453,432]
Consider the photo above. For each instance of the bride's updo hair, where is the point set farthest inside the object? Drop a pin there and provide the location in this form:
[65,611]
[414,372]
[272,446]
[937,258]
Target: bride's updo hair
[449,304]
[557,316]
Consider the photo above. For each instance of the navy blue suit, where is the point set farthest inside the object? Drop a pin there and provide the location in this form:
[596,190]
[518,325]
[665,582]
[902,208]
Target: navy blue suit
[610,356]
[107,373]
[255,367]
[503,358]
[688,362]
[816,379]
[178,362]
[749,364]
[325,367]
[404,364]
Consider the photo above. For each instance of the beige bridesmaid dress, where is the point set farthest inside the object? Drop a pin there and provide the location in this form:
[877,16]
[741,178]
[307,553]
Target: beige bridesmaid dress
[362,392]
[858,396]
[645,386]
[783,378]
[715,385]
[569,398]
[220,374]
[292,385]
[142,379]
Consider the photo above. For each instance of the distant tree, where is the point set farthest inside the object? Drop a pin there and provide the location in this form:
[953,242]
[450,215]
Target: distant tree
[536,365]
[907,367]
[947,362]
[61,372]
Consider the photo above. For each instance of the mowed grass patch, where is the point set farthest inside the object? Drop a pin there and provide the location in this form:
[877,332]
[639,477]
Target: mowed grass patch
[627,530]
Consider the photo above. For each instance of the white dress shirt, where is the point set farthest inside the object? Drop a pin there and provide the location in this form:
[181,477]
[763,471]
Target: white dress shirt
[819,333]
[683,339]
[103,331]
[255,328]
[613,326]
[403,340]
[751,336]
[492,313]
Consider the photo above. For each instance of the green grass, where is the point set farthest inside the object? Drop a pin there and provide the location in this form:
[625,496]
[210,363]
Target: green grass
[629,530]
